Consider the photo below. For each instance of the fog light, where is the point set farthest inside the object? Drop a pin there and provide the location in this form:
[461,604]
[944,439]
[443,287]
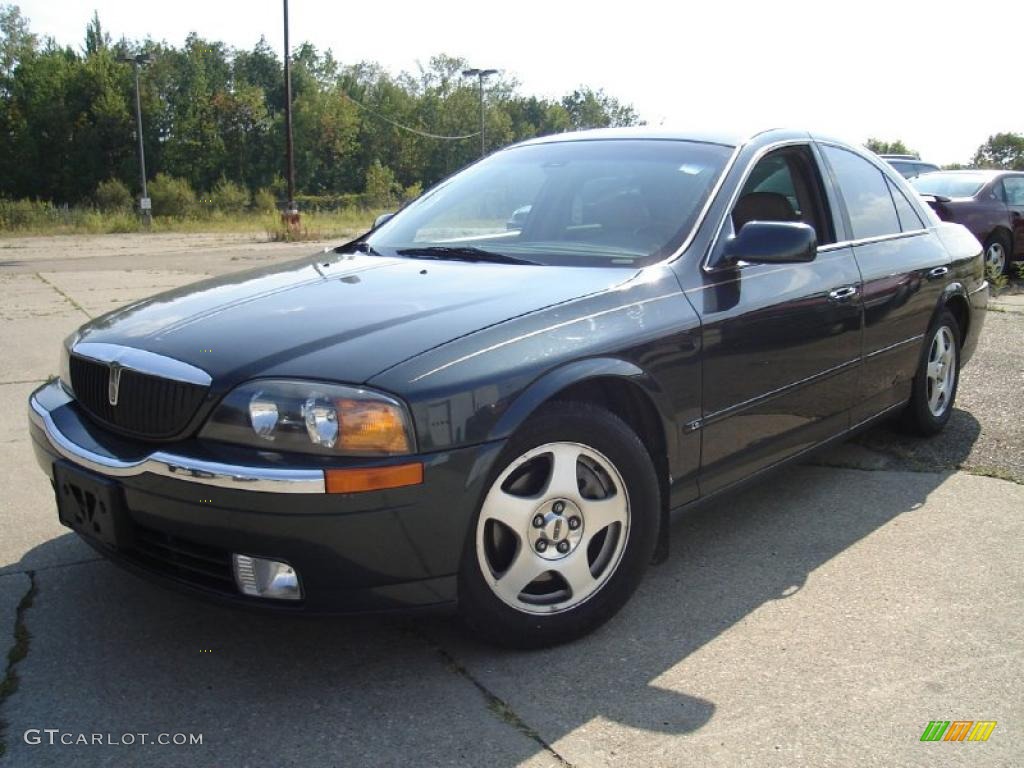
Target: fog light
[258,577]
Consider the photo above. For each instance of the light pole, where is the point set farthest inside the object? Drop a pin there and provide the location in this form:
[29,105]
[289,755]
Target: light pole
[145,206]
[480,74]
[292,214]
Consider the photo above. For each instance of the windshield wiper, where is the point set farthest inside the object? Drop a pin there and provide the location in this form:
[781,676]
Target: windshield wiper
[460,253]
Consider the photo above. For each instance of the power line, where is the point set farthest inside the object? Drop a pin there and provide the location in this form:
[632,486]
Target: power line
[379,116]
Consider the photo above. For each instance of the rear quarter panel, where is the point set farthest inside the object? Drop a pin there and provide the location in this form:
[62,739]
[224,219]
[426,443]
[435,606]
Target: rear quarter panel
[967,270]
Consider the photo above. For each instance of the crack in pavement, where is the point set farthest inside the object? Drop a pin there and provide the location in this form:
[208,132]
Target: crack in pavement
[18,651]
[499,707]
[495,704]
[65,296]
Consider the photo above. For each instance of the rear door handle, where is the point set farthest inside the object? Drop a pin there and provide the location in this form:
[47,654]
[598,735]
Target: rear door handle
[843,294]
[938,272]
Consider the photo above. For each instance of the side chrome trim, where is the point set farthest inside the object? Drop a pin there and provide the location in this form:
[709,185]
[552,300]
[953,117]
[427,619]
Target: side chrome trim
[883,350]
[869,240]
[266,480]
[722,413]
[142,361]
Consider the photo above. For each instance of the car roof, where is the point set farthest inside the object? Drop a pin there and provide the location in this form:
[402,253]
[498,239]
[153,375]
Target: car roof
[724,137]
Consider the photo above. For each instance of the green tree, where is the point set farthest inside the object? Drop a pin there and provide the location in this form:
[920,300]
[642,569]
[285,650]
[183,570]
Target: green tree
[210,112]
[381,188]
[1003,150]
[16,41]
[96,39]
[897,147]
[588,108]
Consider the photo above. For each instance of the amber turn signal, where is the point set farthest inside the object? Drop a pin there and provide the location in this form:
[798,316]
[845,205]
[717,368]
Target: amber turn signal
[373,478]
[369,427]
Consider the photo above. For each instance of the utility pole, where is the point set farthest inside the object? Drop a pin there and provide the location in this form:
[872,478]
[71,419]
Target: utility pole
[145,206]
[480,74]
[292,213]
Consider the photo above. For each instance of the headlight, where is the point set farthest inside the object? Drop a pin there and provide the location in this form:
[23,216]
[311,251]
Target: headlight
[65,359]
[312,417]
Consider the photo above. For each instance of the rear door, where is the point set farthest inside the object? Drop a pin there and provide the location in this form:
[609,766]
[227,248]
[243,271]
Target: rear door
[1014,188]
[904,268]
[781,341]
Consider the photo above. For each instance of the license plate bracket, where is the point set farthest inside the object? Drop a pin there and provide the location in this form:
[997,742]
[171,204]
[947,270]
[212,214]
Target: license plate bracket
[91,505]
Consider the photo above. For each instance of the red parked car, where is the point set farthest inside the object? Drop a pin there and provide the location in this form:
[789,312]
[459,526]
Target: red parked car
[989,203]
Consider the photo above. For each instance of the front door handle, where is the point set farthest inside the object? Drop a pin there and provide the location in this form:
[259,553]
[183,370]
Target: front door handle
[845,293]
[938,272]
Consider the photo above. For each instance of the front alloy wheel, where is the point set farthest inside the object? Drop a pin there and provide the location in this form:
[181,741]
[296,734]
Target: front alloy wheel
[564,532]
[552,528]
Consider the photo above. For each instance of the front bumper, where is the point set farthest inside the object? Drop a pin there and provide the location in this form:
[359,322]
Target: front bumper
[191,508]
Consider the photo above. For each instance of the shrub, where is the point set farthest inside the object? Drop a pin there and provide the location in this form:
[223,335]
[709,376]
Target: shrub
[171,196]
[264,201]
[112,196]
[229,197]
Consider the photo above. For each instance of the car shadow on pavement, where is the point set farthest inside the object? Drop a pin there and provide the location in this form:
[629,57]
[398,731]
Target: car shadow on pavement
[112,653]
[888,446]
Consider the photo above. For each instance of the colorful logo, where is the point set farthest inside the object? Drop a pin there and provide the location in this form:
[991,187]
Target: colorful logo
[958,730]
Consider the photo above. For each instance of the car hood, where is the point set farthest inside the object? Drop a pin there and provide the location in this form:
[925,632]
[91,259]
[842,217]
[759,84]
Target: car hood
[338,317]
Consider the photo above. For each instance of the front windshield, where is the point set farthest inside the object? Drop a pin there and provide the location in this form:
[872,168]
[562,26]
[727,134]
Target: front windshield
[596,202]
[949,184]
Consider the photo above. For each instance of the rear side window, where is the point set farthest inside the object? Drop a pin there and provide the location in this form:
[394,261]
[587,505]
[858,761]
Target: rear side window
[1014,186]
[909,220]
[866,192]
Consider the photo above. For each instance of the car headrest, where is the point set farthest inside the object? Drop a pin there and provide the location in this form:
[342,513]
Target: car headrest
[762,206]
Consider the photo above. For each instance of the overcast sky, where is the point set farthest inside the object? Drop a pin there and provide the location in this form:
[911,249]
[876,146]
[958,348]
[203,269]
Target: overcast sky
[934,74]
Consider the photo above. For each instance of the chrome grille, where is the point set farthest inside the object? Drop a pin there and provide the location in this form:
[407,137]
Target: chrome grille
[147,406]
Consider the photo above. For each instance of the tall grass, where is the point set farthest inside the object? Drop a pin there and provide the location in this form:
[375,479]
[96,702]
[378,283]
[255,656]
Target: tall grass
[33,217]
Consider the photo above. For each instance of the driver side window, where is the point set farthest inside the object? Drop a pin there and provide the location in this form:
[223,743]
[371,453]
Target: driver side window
[784,186]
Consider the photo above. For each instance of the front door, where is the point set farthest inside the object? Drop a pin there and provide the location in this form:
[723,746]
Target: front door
[781,341]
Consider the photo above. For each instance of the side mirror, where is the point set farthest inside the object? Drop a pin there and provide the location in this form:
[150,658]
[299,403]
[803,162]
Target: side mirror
[384,217]
[771,242]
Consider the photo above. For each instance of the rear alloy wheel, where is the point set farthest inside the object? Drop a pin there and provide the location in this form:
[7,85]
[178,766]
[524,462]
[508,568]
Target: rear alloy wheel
[564,531]
[935,385]
[996,256]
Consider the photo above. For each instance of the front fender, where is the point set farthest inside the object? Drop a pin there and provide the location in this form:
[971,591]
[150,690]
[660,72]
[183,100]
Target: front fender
[579,372]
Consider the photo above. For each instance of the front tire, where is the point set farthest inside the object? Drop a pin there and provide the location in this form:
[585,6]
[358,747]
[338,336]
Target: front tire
[938,376]
[565,531]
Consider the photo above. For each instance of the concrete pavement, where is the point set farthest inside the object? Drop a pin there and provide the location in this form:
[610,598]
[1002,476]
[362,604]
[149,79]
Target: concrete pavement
[822,617]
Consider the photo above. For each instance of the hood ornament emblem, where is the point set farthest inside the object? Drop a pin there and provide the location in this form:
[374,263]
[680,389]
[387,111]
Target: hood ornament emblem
[114,383]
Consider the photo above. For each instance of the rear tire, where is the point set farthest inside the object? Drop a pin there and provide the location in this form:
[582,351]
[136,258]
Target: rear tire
[937,378]
[997,255]
[564,532]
